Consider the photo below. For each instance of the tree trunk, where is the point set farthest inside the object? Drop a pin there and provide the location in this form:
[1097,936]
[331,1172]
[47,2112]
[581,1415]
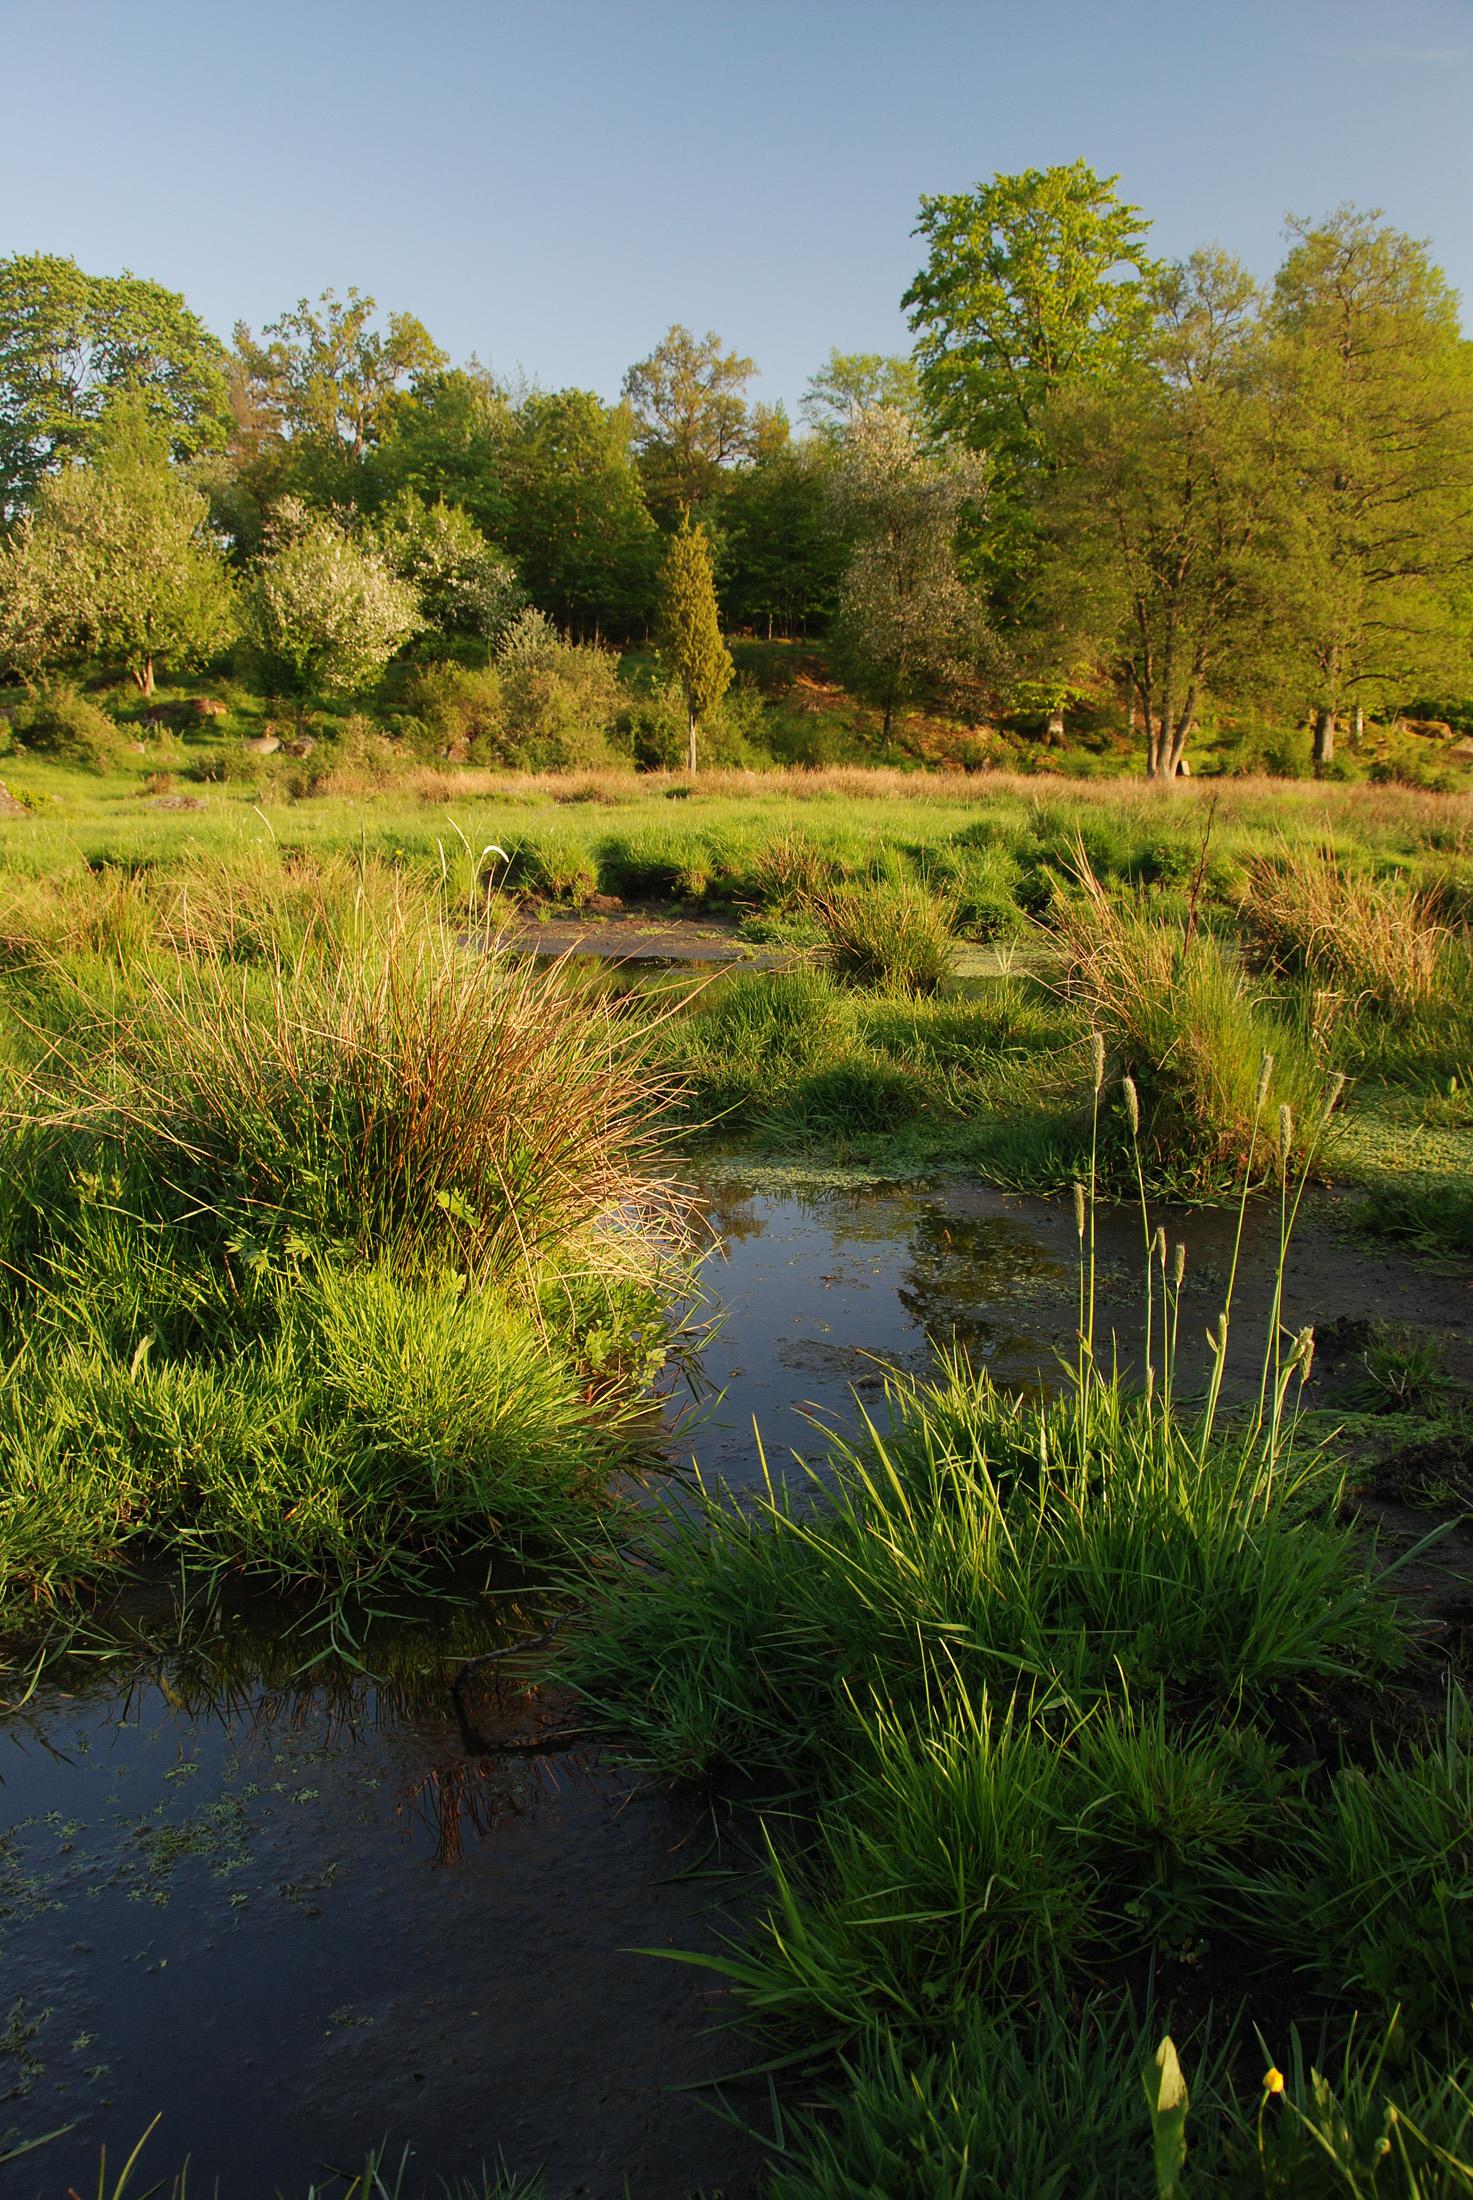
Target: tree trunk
[143,678]
[1055,733]
[1324,738]
[692,752]
[298,707]
[1359,733]
[1177,766]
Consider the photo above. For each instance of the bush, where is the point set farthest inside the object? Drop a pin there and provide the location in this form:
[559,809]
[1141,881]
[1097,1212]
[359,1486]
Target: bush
[460,711]
[59,721]
[560,701]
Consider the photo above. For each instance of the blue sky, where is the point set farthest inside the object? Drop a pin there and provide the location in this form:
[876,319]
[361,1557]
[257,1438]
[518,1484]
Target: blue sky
[551,184]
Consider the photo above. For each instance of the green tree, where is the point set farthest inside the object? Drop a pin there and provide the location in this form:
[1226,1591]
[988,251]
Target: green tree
[447,438]
[1032,280]
[784,546]
[690,631]
[906,621]
[689,402]
[121,553]
[1166,511]
[1376,403]
[324,614]
[71,342]
[578,525]
[467,591]
[853,382]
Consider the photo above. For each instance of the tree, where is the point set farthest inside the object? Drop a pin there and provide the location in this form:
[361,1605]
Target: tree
[466,590]
[690,408]
[853,382]
[328,372]
[1022,292]
[578,525]
[905,619]
[1166,509]
[690,632]
[121,551]
[325,615]
[71,342]
[784,547]
[447,438]
[1376,391]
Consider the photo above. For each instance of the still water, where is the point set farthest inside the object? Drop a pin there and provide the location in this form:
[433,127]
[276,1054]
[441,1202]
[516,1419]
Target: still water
[294,1916]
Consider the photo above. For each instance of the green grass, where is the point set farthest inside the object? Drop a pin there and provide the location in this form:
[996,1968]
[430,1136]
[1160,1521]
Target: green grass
[1081,1716]
[331,1248]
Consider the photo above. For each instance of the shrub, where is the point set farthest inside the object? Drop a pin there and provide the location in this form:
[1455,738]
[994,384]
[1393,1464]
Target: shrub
[560,701]
[59,721]
[460,710]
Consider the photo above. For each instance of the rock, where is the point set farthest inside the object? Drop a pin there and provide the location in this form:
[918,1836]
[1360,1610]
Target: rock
[265,744]
[302,747]
[207,706]
[9,807]
[176,802]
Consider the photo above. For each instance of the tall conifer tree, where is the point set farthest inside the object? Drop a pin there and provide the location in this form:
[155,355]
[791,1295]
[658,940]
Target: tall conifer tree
[690,632]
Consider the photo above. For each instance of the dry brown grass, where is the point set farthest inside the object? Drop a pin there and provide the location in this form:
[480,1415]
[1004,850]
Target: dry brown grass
[1371,939]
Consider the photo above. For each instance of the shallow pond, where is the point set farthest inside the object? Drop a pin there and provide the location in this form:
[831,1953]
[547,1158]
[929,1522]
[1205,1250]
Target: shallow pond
[293,1916]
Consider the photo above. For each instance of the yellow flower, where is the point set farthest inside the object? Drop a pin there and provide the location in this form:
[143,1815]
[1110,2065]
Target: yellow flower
[1273,2081]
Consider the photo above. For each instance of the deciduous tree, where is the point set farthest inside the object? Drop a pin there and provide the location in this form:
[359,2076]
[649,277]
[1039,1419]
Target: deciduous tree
[689,401]
[1376,396]
[324,614]
[118,561]
[70,342]
[906,621]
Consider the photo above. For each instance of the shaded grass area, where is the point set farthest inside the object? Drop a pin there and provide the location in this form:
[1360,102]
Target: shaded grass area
[1084,1721]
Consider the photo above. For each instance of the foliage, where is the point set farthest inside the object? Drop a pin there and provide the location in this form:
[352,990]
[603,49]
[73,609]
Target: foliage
[1376,405]
[690,629]
[578,526]
[465,589]
[687,398]
[58,721]
[324,615]
[1032,281]
[904,621]
[71,343]
[122,564]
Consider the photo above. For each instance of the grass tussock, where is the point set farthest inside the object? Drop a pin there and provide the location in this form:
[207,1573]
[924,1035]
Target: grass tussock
[1379,944]
[1040,1687]
[332,1247]
[1180,1018]
[892,933]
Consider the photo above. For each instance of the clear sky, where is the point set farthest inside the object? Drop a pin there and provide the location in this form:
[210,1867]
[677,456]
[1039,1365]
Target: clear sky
[550,184]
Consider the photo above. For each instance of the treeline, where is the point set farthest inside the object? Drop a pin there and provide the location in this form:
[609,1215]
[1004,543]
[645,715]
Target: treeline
[1100,479]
